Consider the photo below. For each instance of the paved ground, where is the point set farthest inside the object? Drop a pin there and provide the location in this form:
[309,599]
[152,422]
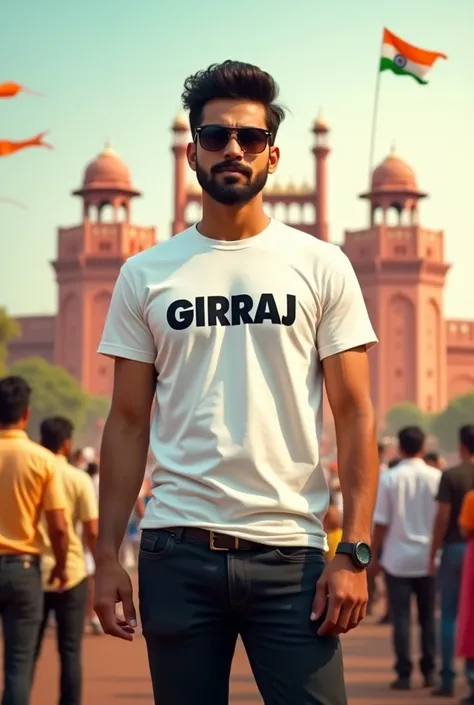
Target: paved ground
[116,673]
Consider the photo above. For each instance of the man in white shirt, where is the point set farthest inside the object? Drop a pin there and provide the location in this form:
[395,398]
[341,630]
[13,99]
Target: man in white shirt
[231,325]
[403,519]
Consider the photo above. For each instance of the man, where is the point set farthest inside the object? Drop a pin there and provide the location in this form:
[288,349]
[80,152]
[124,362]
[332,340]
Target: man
[28,484]
[69,605]
[455,483]
[433,458]
[232,324]
[403,522]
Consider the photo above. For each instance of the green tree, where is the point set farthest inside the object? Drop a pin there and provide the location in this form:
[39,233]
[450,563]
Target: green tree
[406,414]
[9,329]
[459,412]
[55,392]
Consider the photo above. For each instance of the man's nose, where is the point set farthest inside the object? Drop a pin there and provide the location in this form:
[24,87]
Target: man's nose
[233,150]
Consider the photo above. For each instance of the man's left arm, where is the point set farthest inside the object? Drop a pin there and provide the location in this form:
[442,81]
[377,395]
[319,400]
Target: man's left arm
[344,335]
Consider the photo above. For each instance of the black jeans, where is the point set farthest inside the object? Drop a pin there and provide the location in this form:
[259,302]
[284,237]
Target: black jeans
[21,604]
[194,602]
[400,591]
[69,608]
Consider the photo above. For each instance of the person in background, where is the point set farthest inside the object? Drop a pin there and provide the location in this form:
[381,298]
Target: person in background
[455,483]
[465,636]
[381,449]
[78,460]
[29,485]
[69,604]
[403,521]
[434,459]
[92,620]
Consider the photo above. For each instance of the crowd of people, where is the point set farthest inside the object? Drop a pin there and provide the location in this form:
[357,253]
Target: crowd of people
[423,543]
[48,533]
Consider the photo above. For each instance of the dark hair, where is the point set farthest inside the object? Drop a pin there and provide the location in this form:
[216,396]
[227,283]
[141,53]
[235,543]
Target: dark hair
[92,469]
[466,438]
[380,449]
[15,395]
[411,440]
[393,462]
[431,457]
[54,432]
[232,79]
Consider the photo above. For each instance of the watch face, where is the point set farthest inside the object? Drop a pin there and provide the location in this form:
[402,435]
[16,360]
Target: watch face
[363,553]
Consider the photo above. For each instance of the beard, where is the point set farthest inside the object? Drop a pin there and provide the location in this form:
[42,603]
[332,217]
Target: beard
[231,189]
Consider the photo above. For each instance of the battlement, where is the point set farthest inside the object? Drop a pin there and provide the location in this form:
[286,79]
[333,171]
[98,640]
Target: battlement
[402,243]
[103,240]
[460,333]
[36,338]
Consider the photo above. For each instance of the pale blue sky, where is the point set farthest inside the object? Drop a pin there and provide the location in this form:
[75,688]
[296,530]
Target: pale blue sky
[114,70]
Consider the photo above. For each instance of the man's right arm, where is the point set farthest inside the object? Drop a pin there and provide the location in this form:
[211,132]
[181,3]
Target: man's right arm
[124,452]
[128,340]
[54,503]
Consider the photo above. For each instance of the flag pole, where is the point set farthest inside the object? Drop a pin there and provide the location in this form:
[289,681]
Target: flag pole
[375,112]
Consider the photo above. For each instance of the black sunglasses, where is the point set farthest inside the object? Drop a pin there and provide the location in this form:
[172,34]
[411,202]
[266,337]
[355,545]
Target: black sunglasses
[215,138]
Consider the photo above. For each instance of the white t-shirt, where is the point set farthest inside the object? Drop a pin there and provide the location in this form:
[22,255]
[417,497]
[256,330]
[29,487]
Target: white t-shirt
[406,505]
[237,332]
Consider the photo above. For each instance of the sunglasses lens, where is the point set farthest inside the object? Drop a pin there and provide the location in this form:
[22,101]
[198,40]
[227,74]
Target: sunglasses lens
[213,138]
[252,140]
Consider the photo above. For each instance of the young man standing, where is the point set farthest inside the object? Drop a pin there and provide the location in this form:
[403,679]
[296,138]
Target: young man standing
[455,484]
[28,486]
[403,523]
[69,604]
[232,324]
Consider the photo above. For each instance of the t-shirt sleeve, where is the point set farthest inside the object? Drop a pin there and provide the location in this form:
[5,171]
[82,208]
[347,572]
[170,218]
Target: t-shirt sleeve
[383,505]
[345,322]
[466,517]
[87,500]
[126,333]
[53,496]
[445,489]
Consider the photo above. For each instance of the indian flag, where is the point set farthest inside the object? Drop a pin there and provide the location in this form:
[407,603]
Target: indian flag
[406,60]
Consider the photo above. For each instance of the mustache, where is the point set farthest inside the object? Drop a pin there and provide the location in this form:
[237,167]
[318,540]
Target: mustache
[235,166]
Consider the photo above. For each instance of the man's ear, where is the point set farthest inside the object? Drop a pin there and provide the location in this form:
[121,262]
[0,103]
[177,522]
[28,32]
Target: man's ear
[191,155]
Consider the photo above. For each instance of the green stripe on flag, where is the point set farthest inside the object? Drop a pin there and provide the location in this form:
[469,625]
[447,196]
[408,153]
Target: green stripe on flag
[389,65]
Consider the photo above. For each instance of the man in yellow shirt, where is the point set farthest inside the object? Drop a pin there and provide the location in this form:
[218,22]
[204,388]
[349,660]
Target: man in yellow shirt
[69,605]
[28,485]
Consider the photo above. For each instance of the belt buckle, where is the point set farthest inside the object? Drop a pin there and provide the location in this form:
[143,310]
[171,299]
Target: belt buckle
[212,543]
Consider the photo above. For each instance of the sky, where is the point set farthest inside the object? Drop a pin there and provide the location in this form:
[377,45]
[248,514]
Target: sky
[114,70]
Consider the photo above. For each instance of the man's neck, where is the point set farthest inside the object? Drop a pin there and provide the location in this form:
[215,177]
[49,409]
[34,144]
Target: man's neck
[14,427]
[232,223]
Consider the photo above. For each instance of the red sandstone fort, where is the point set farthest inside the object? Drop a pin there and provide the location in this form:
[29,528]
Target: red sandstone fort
[422,357]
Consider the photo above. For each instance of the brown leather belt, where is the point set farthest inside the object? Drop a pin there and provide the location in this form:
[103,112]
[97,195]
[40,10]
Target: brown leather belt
[219,542]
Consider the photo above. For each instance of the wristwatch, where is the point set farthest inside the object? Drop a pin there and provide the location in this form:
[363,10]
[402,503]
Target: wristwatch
[359,552]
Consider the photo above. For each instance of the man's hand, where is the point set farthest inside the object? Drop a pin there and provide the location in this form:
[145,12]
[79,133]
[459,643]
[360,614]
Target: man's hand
[112,586]
[58,574]
[344,588]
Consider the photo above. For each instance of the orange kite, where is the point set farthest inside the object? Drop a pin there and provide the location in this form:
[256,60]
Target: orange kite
[8,147]
[10,89]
